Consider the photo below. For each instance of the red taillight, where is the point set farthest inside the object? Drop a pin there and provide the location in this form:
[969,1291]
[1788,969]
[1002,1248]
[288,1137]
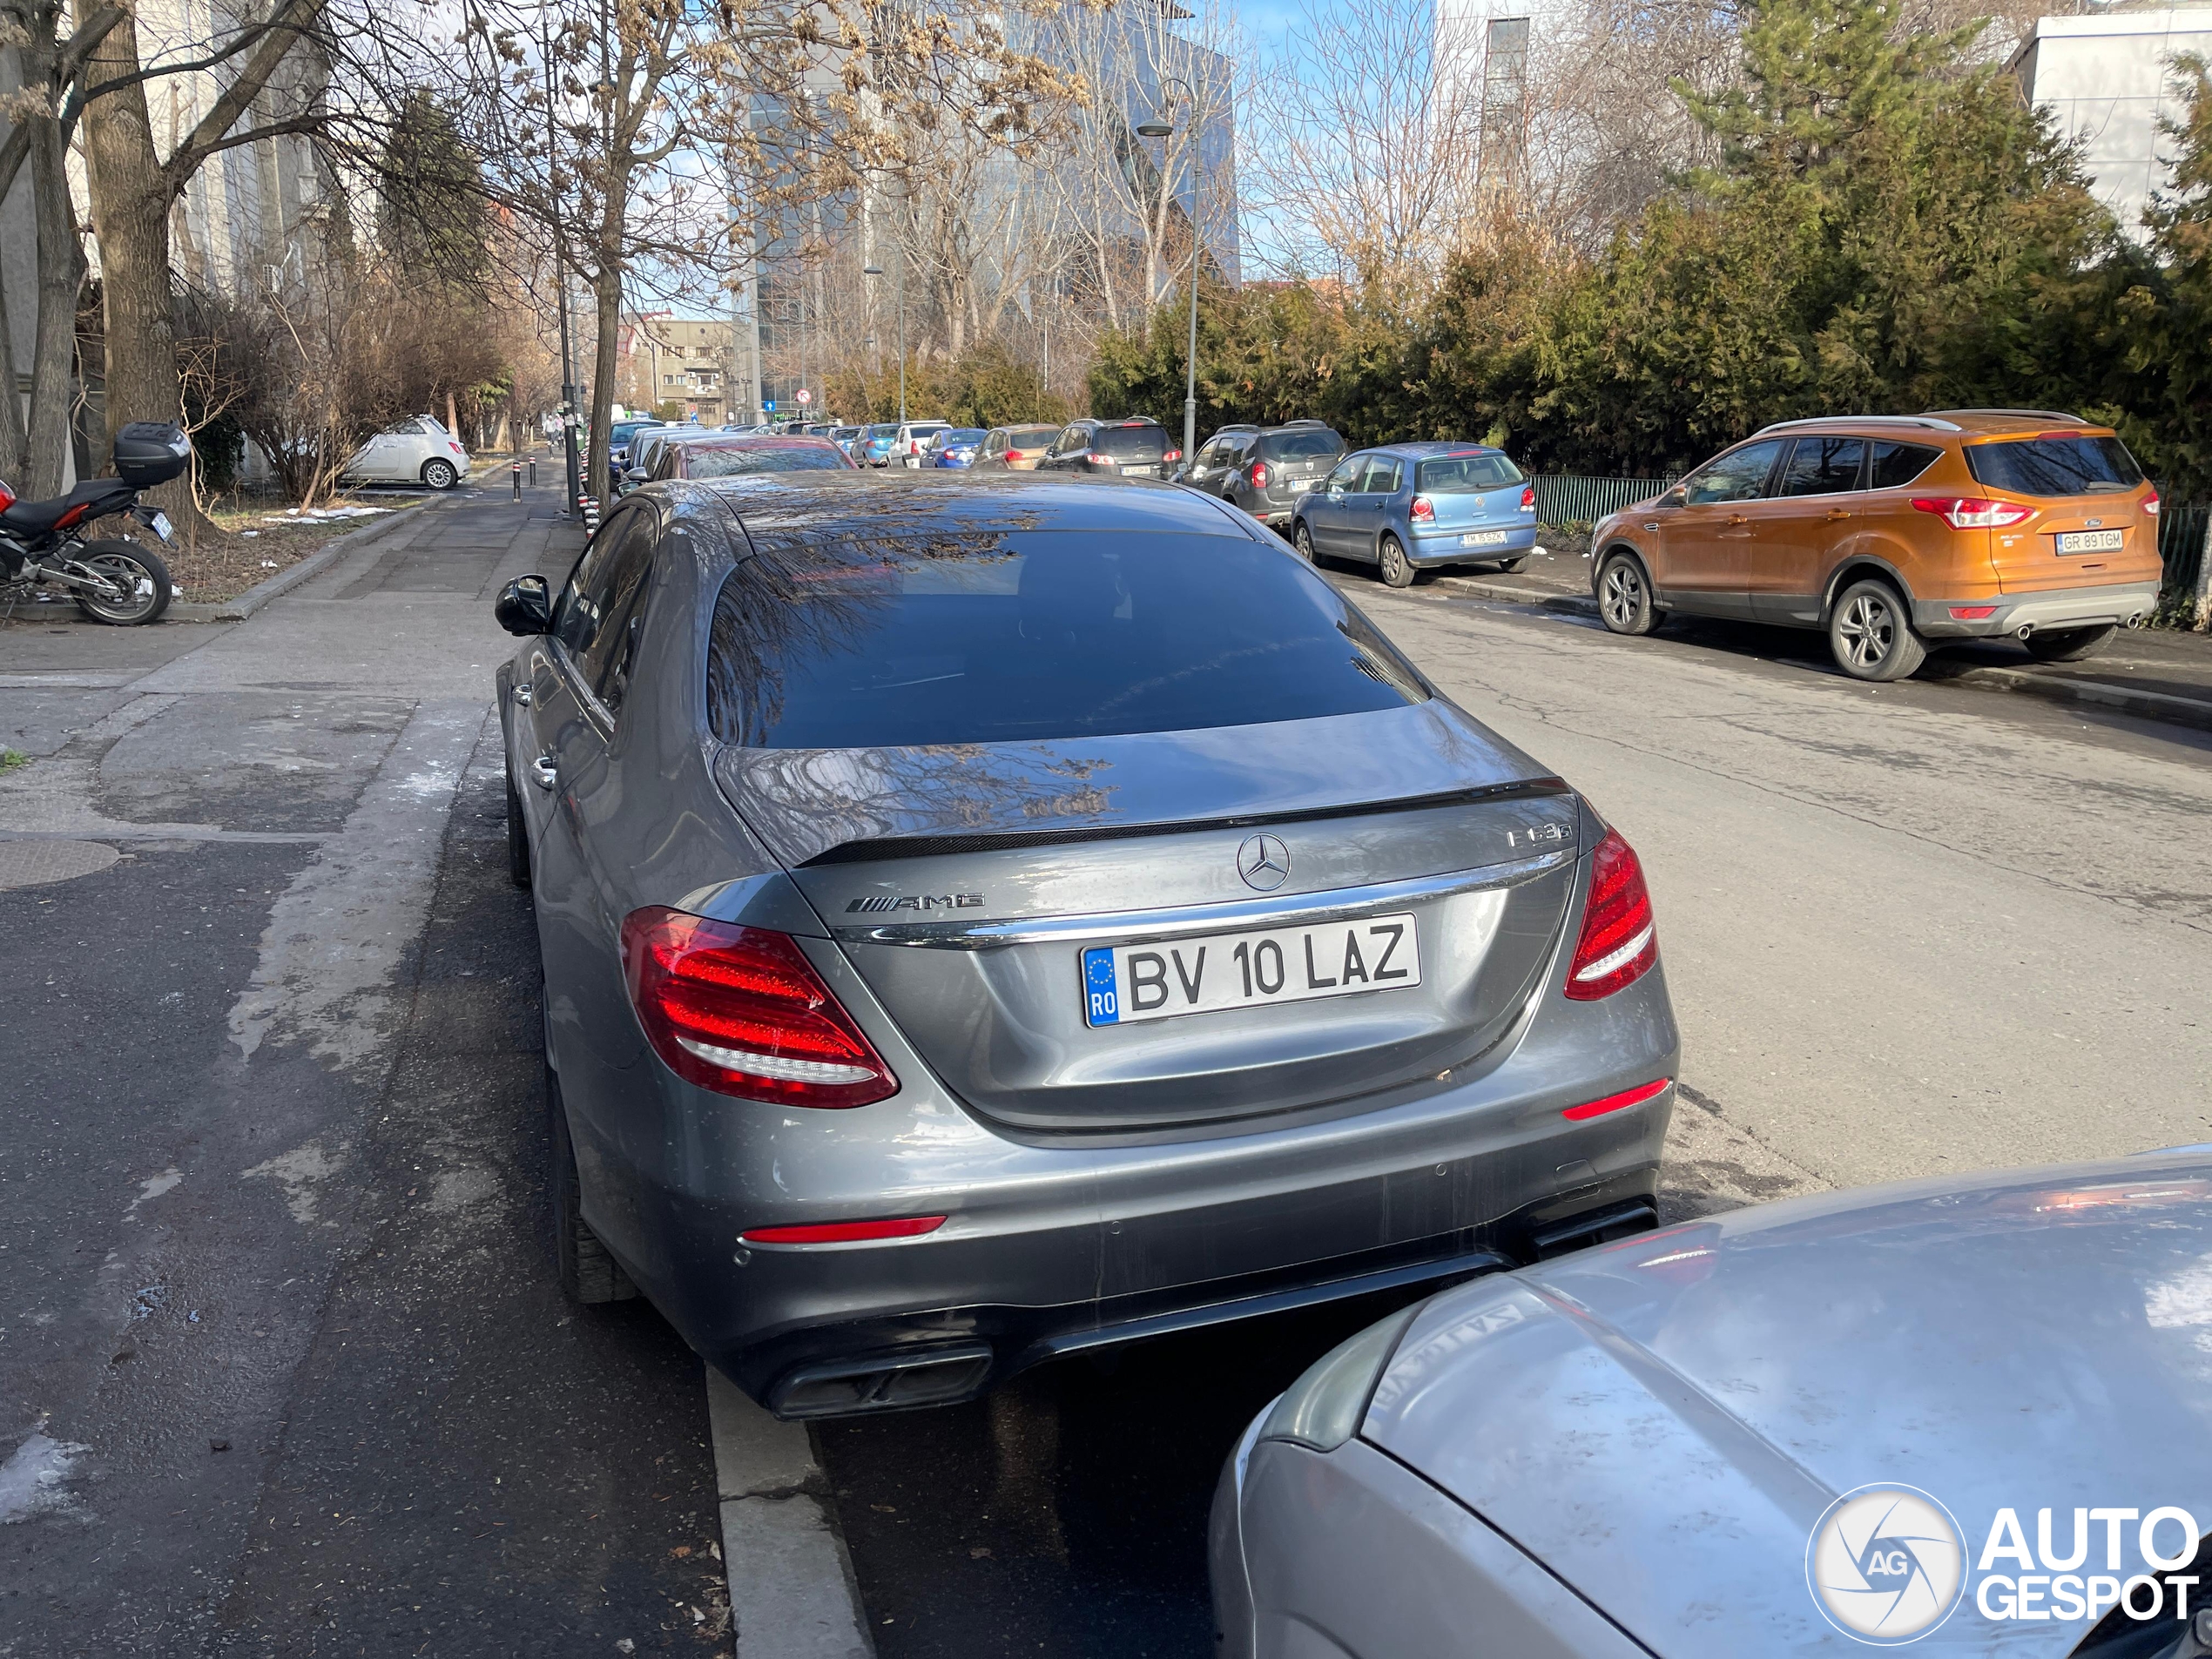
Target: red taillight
[1528,498]
[2150,502]
[1621,1101]
[1972,512]
[844,1232]
[1097,460]
[1171,455]
[1423,511]
[1259,474]
[1620,939]
[1972,613]
[741,1011]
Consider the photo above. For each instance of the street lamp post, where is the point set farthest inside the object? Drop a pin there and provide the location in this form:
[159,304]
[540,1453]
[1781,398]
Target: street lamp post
[1157,128]
[899,303]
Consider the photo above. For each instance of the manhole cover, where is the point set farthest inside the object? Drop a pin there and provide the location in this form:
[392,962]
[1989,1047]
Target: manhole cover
[32,864]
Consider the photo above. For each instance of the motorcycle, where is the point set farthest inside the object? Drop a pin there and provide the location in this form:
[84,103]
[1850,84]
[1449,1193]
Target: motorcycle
[112,579]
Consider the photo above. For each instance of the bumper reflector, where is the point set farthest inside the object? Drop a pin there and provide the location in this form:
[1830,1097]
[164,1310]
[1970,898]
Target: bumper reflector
[845,1232]
[1621,1101]
[1972,613]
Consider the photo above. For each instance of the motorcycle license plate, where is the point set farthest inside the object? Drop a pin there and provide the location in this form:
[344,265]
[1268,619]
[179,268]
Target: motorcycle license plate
[159,525]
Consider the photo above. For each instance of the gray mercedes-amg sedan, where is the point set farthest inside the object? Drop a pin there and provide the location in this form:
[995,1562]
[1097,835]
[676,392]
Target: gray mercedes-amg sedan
[984,919]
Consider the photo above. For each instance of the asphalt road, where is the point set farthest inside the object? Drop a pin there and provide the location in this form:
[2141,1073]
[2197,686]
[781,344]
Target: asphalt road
[282,1367]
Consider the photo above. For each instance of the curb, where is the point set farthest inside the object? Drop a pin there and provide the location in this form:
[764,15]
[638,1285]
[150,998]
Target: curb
[792,1592]
[245,605]
[2162,706]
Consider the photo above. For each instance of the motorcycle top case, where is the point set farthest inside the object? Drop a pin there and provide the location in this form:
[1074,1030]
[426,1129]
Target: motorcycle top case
[151,452]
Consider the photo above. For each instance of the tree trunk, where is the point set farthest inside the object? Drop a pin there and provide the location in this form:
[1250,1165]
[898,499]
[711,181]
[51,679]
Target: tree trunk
[132,193]
[12,432]
[61,265]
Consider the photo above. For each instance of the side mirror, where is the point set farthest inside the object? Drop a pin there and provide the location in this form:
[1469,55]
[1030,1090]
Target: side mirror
[524,607]
[635,475]
[1677,497]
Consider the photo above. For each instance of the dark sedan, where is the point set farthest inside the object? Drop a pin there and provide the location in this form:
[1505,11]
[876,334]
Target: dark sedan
[996,917]
[733,456]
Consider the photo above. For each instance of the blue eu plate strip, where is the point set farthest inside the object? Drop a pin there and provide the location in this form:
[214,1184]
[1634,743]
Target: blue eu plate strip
[1102,992]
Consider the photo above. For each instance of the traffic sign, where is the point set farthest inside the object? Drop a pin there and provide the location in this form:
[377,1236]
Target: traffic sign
[805,397]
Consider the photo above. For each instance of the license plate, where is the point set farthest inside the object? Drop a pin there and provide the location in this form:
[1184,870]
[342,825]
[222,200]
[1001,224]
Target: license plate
[1299,486]
[1122,984]
[1140,472]
[159,525]
[1483,539]
[2090,541]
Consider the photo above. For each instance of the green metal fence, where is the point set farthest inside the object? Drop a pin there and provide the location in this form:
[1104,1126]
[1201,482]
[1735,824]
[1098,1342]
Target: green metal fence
[2180,546]
[1567,498]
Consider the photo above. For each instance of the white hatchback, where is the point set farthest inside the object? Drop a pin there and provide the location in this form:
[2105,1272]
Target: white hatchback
[415,450]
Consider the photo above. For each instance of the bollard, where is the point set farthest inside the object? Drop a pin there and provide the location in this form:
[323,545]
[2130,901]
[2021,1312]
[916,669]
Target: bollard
[517,470]
[533,471]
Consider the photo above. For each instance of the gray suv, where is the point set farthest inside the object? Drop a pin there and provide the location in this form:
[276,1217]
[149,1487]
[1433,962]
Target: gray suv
[1266,469]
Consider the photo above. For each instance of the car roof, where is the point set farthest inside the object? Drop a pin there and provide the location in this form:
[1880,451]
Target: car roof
[1429,450]
[1937,425]
[827,506]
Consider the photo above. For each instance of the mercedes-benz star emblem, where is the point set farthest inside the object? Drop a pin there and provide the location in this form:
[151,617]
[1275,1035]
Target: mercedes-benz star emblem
[1263,862]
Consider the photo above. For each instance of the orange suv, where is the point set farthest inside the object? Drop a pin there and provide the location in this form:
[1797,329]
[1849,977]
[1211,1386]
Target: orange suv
[1897,532]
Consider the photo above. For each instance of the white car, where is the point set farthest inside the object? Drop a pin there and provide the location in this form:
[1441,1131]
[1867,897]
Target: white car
[416,450]
[913,438]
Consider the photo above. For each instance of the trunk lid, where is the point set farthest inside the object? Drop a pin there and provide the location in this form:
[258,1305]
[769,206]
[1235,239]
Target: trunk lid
[2027,557]
[965,883]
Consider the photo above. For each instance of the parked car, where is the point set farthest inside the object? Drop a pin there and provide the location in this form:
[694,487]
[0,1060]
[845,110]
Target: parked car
[846,437]
[1135,448]
[418,450]
[618,438]
[1787,1429]
[953,447]
[645,446]
[884,1073]
[907,446]
[1406,508]
[1895,533]
[1015,449]
[1266,469]
[874,450]
[722,455]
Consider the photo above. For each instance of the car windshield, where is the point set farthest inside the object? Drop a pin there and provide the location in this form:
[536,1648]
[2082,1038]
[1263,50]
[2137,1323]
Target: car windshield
[1316,444]
[717,461]
[1465,475]
[2061,464]
[1024,636]
[1123,442]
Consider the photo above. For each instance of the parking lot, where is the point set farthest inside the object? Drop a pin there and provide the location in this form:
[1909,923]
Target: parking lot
[283,1368]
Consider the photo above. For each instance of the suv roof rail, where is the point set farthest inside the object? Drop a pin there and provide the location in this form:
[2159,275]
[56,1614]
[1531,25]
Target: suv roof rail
[2040,414]
[1924,422]
[1305,421]
[1236,425]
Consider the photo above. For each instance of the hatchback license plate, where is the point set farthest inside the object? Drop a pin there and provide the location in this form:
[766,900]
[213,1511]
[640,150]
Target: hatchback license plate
[1483,539]
[1122,984]
[2090,541]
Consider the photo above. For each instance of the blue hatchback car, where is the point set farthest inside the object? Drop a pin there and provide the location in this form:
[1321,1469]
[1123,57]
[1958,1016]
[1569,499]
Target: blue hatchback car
[1410,507]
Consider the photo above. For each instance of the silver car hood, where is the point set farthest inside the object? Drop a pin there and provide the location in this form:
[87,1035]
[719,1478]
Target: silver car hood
[806,802]
[1665,1420]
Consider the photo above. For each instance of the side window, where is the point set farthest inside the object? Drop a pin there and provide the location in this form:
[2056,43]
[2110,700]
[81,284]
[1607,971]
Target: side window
[1898,464]
[605,662]
[994,444]
[1738,475]
[1382,477]
[576,616]
[1346,477]
[1823,466]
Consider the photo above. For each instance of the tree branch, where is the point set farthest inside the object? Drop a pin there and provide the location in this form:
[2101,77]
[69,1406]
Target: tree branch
[279,35]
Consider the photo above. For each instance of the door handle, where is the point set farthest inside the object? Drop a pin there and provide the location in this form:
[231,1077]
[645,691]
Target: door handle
[1651,524]
[1835,513]
[522,696]
[1738,518]
[545,771]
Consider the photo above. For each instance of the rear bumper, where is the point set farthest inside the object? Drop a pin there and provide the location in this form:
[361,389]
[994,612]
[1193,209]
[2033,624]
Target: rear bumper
[1056,1244]
[1443,546]
[2055,607]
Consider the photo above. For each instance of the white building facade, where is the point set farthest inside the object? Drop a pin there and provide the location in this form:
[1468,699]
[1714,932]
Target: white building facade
[2109,80]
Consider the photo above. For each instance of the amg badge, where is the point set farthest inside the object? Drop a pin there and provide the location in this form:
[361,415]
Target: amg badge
[917,901]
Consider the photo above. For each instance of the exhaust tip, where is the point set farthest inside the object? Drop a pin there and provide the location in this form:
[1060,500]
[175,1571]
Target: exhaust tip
[2135,621]
[2026,629]
[843,1388]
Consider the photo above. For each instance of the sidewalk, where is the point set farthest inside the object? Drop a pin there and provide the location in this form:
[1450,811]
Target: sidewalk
[2152,673]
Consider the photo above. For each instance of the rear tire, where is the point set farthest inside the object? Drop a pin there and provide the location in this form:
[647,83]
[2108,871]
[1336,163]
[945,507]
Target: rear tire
[1392,564]
[588,1274]
[2069,645]
[1870,633]
[136,569]
[518,840]
[440,475]
[1624,595]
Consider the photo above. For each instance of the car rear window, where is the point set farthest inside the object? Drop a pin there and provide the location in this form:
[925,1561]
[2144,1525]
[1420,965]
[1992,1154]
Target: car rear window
[965,637]
[1031,437]
[1465,475]
[1123,441]
[715,463]
[1316,444]
[1896,465]
[2061,464]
